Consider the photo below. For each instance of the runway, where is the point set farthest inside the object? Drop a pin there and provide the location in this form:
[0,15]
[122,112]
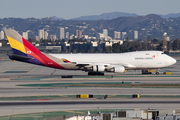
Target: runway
[87,102]
[16,92]
[18,97]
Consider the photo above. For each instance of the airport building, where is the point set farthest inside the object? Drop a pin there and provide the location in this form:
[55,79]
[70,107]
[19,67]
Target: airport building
[130,115]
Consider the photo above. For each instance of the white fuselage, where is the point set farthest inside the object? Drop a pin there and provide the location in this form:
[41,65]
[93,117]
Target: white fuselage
[130,60]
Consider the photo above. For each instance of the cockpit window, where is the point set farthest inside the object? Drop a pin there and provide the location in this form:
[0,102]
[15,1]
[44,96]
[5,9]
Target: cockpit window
[162,53]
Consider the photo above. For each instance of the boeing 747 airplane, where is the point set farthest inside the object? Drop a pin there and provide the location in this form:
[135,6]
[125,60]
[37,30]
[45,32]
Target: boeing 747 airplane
[94,64]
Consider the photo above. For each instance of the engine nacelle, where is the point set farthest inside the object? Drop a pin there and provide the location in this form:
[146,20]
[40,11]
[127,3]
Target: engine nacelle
[119,69]
[98,68]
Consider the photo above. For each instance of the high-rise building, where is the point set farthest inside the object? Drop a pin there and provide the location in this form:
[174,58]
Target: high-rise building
[117,35]
[62,33]
[37,38]
[67,35]
[105,33]
[79,34]
[123,35]
[25,35]
[41,34]
[72,37]
[1,35]
[52,37]
[135,35]
[46,35]
[100,36]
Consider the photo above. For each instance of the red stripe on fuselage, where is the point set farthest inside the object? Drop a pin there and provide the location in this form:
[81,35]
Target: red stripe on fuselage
[33,51]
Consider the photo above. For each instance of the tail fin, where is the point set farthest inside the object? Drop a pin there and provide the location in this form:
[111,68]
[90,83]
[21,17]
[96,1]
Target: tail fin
[26,52]
[18,44]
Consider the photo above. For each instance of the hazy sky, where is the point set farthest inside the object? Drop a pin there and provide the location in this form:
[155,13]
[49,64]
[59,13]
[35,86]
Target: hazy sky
[75,8]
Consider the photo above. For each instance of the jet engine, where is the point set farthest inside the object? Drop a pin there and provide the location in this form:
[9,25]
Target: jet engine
[98,68]
[119,69]
[116,69]
[103,68]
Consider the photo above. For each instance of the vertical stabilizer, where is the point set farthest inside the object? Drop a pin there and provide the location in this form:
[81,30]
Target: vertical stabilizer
[26,52]
[18,44]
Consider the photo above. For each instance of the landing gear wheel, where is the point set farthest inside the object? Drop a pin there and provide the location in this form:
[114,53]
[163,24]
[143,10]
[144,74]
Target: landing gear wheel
[157,73]
[90,73]
[95,73]
[102,74]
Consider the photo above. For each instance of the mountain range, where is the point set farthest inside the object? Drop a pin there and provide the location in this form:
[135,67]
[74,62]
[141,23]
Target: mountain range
[112,15]
[105,16]
[150,25]
[171,15]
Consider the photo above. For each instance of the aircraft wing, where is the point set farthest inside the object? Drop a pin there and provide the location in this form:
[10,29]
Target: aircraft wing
[93,66]
[86,64]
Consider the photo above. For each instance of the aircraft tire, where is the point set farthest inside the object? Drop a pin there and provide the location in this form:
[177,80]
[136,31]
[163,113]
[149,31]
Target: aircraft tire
[100,74]
[157,73]
[90,73]
[96,73]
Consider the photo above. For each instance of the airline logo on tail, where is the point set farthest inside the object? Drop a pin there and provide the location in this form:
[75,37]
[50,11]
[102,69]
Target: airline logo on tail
[28,52]
[65,61]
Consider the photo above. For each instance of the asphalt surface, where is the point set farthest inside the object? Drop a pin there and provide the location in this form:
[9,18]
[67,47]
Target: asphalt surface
[17,92]
[13,74]
[88,102]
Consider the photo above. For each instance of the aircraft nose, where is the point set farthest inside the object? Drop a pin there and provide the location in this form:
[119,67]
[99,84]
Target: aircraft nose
[171,61]
[174,61]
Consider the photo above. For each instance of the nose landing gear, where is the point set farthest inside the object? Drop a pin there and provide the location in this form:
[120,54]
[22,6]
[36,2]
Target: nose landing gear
[157,72]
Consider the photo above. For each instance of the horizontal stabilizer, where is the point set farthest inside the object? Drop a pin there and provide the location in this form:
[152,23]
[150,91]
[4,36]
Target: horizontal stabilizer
[19,57]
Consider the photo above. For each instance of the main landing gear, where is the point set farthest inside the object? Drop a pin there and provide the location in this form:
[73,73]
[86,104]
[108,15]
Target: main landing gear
[96,73]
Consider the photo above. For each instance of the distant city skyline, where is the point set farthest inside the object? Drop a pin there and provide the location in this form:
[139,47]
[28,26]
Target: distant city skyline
[68,9]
